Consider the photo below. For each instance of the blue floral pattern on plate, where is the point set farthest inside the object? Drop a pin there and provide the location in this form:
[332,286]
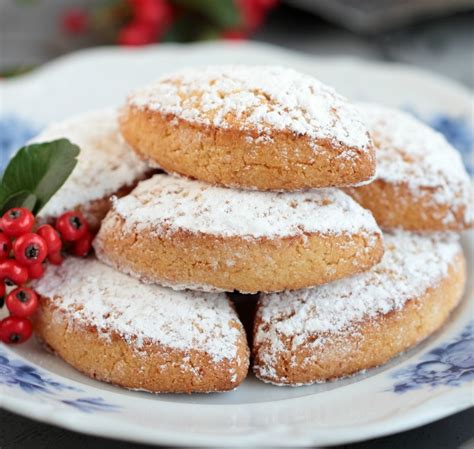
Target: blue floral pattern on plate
[451,365]
[14,133]
[457,131]
[15,373]
[460,134]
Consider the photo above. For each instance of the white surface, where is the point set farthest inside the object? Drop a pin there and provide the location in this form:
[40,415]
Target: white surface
[348,410]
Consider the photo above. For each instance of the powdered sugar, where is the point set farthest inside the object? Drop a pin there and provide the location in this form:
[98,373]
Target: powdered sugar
[105,162]
[410,152]
[91,293]
[411,264]
[257,98]
[164,204]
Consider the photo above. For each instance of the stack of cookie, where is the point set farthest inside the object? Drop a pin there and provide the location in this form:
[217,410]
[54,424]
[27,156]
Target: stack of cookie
[421,188]
[257,161]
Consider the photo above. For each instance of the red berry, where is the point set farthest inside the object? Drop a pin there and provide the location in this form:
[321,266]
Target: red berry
[155,12]
[56,258]
[72,226]
[14,329]
[136,34]
[83,245]
[22,302]
[30,249]
[3,290]
[5,246]
[251,12]
[234,35]
[74,21]
[36,271]
[12,272]
[51,237]
[17,221]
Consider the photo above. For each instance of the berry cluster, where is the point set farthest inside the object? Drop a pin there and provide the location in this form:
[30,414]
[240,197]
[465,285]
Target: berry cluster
[252,13]
[150,19]
[142,22]
[24,250]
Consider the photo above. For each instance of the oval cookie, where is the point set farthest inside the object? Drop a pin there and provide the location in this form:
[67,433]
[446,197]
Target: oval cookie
[115,329]
[263,127]
[106,165]
[421,183]
[324,333]
[188,234]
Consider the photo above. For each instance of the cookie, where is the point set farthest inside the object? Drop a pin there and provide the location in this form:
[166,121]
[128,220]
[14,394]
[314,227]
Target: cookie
[106,165]
[421,183]
[189,234]
[115,329]
[252,127]
[338,329]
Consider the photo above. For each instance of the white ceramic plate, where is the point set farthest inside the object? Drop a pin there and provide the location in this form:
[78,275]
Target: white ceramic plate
[425,384]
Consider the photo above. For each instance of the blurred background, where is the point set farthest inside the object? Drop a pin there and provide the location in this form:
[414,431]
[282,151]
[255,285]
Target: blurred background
[435,34]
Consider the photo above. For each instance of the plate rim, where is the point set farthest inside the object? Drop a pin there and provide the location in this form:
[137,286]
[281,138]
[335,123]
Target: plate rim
[72,420]
[67,58]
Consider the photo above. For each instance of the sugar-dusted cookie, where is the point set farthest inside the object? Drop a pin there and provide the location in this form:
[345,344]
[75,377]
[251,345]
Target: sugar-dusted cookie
[115,329]
[253,127]
[189,234]
[421,184]
[106,165]
[335,330]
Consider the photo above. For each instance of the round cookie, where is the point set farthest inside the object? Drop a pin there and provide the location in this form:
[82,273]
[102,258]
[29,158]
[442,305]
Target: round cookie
[338,329]
[252,127]
[115,329]
[421,183]
[106,165]
[188,234]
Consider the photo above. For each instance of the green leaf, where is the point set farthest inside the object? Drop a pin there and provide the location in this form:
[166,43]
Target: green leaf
[222,12]
[181,31]
[36,173]
[208,33]
[19,199]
